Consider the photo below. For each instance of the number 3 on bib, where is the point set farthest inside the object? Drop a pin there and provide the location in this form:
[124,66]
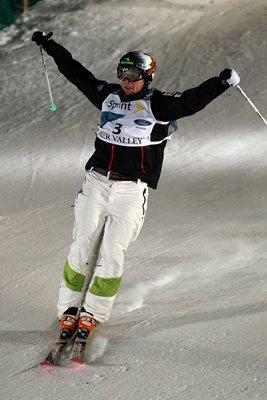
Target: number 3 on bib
[117,129]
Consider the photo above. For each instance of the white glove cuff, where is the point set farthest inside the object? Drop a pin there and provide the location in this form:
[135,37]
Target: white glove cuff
[234,79]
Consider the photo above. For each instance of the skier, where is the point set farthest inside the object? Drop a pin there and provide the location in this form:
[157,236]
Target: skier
[135,124]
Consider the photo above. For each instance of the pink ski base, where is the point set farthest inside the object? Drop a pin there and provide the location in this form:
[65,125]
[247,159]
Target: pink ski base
[46,365]
[77,360]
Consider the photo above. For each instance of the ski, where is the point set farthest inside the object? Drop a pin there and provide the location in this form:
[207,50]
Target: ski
[56,351]
[78,350]
[74,338]
[85,326]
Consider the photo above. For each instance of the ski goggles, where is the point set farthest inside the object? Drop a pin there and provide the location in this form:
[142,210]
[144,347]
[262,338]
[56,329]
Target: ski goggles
[131,74]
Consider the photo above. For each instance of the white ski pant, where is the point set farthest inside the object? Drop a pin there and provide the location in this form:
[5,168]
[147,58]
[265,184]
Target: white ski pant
[108,216]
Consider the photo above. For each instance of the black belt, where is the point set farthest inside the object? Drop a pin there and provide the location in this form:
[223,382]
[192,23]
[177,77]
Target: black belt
[114,176]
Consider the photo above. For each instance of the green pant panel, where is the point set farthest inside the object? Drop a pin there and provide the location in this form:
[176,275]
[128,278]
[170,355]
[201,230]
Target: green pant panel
[73,280]
[105,287]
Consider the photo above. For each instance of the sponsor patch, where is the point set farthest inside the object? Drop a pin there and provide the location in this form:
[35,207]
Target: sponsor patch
[142,122]
[173,94]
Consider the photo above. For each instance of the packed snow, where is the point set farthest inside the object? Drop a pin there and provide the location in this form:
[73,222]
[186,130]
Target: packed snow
[189,322]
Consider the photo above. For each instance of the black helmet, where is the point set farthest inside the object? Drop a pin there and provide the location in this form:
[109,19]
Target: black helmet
[140,61]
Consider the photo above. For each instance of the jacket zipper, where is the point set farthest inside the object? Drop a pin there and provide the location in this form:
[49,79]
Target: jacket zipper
[112,158]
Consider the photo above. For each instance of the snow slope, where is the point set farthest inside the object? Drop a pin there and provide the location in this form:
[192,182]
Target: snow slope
[190,318]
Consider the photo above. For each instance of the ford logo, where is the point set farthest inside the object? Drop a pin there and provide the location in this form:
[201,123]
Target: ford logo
[142,122]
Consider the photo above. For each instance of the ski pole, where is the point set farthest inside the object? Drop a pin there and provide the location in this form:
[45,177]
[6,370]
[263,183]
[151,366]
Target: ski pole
[52,106]
[252,105]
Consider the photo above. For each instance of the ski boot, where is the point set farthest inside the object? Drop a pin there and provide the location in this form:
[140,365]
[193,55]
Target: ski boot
[68,323]
[86,324]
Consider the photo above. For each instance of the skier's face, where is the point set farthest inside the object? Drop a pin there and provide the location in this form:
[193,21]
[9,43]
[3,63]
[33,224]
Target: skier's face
[132,87]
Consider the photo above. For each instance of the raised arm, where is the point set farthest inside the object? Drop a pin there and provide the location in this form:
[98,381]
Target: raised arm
[167,107]
[94,89]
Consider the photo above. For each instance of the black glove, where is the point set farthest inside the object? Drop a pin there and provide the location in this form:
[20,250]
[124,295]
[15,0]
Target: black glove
[225,74]
[229,77]
[40,38]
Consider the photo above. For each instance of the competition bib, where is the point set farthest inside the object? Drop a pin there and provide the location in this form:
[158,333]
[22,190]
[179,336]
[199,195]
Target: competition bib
[128,123]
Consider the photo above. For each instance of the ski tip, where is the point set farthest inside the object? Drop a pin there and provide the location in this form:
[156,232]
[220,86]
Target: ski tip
[77,360]
[46,366]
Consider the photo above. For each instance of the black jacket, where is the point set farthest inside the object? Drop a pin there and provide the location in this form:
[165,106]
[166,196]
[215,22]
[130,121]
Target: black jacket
[144,163]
